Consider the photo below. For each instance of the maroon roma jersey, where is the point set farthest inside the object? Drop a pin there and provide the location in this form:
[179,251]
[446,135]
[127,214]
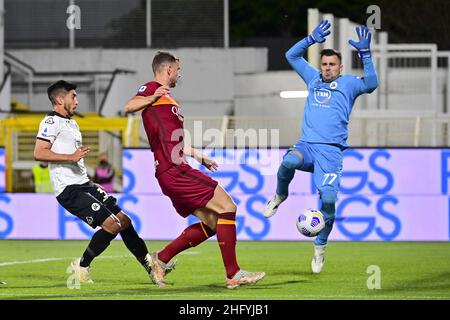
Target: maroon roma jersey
[163,124]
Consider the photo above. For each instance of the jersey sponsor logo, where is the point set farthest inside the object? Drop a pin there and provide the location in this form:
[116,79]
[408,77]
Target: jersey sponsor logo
[89,220]
[322,96]
[50,121]
[176,112]
[142,88]
[95,206]
[333,85]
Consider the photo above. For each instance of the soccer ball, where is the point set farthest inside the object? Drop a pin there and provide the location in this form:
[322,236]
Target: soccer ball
[310,222]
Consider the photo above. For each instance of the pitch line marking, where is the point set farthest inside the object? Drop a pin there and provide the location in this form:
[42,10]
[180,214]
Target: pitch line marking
[13,263]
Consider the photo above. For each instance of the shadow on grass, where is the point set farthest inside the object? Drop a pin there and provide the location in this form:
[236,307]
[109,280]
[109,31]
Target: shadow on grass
[437,284]
[293,273]
[147,290]
[10,286]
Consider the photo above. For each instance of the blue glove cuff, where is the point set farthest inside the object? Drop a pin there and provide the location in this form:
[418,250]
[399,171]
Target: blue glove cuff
[364,53]
[310,40]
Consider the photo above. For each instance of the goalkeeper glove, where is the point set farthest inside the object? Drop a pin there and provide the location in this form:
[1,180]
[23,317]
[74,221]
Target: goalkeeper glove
[319,33]
[363,46]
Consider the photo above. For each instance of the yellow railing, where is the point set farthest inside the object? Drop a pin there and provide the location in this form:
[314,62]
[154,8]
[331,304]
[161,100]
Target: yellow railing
[30,123]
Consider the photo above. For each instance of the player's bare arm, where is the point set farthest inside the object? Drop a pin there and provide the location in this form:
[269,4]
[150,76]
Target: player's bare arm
[139,102]
[210,164]
[42,152]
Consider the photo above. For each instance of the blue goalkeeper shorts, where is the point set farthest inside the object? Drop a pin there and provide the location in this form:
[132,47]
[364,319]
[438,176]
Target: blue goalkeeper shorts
[324,161]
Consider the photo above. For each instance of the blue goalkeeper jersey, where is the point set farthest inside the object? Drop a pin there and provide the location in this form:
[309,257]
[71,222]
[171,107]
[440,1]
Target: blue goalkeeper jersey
[329,104]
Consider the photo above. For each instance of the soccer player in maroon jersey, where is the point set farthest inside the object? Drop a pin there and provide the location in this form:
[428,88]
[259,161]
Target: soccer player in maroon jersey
[191,191]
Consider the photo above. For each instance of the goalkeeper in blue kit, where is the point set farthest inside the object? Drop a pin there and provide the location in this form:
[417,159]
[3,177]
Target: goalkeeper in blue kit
[324,125]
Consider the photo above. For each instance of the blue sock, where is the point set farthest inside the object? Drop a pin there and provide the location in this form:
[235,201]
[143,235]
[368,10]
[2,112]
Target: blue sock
[328,210]
[286,172]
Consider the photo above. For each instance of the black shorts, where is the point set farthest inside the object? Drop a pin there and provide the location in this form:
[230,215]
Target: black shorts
[89,202]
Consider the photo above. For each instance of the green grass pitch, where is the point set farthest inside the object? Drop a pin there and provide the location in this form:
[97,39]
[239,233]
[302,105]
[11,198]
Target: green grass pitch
[37,270]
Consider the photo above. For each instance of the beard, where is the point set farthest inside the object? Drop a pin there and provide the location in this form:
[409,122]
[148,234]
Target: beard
[173,81]
[330,78]
[70,112]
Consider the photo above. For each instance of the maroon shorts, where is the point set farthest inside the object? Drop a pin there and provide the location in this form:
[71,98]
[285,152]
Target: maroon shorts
[188,188]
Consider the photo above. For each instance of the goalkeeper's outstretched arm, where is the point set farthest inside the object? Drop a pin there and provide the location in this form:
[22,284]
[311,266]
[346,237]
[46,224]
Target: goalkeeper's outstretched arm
[295,54]
[370,79]
[370,75]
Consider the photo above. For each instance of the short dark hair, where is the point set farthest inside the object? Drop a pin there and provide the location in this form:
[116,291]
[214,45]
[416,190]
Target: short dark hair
[162,58]
[59,88]
[331,52]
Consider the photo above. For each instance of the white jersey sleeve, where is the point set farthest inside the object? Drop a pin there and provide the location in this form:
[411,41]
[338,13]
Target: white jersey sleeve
[48,129]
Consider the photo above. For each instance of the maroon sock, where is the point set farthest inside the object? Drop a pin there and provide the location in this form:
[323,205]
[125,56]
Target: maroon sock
[190,237]
[226,237]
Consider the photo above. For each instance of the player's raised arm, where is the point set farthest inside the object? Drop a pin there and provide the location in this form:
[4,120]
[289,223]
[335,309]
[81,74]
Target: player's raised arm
[210,164]
[295,54]
[140,102]
[370,80]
